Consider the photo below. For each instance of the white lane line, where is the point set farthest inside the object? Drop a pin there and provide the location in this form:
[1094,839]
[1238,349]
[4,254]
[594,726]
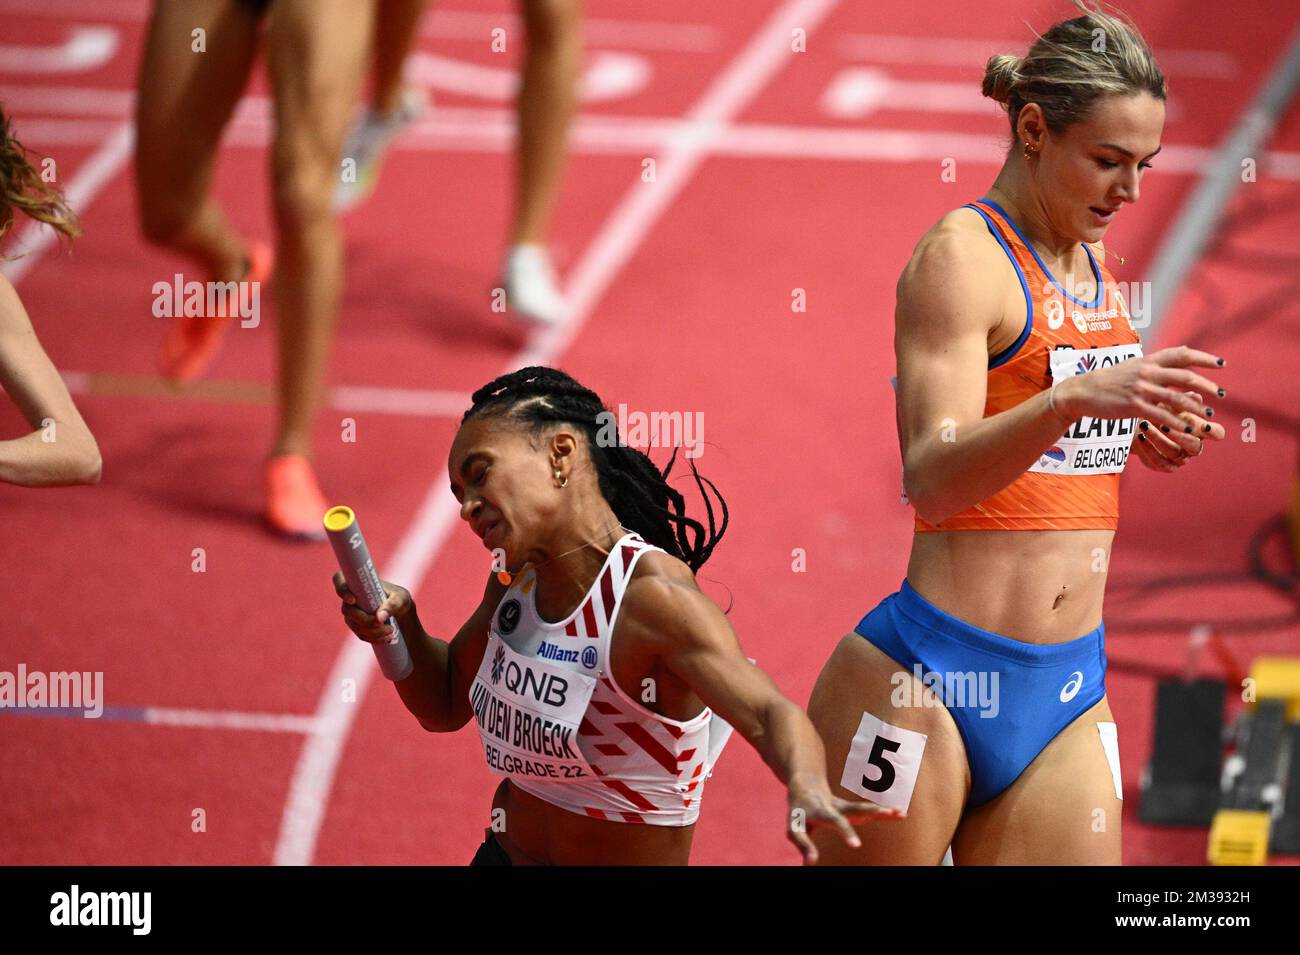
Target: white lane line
[414,402]
[609,250]
[86,48]
[453,129]
[92,175]
[968,52]
[688,146]
[185,717]
[400,401]
[21,98]
[492,129]
[230,720]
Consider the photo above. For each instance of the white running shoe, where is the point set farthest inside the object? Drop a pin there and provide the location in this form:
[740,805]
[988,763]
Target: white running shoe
[368,141]
[531,286]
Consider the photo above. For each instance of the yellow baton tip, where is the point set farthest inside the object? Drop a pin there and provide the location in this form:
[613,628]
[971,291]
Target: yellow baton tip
[338,518]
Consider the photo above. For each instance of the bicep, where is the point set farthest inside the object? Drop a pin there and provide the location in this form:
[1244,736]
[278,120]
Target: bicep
[703,652]
[949,298]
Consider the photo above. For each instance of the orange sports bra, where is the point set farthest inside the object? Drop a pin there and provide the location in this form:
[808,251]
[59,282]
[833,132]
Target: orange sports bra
[1074,484]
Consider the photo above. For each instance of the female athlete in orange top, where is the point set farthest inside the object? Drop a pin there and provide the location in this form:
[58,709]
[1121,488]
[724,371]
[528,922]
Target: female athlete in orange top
[1021,389]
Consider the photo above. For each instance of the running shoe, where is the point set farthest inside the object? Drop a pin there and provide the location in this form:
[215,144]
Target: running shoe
[532,290]
[294,502]
[368,142]
[192,341]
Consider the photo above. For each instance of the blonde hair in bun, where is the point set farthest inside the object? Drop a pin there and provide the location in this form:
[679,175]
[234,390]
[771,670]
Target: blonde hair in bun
[1000,76]
[1073,65]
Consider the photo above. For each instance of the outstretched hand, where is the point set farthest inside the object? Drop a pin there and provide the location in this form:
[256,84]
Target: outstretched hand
[815,806]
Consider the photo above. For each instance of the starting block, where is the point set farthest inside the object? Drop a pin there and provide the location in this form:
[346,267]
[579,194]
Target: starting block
[1255,814]
[1180,784]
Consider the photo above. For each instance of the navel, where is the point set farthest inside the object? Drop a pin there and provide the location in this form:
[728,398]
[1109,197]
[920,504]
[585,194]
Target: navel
[1060,596]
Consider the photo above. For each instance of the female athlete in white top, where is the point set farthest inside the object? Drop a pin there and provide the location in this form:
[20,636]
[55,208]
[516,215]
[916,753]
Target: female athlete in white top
[599,771]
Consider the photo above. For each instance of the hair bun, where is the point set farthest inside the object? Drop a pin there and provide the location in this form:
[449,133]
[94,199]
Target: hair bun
[1000,76]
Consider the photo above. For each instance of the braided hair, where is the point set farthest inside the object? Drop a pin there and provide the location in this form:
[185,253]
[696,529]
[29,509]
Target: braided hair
[538,398]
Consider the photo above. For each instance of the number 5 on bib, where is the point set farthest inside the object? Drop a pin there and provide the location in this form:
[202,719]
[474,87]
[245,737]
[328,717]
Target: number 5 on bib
[883,763]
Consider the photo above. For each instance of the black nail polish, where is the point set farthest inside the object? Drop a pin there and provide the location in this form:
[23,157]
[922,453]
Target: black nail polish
[1188,429]
[1141,436]
[1206,428]
[1220,362]
[1209,412]
[1220,392]
[1143,425]
[1164,428]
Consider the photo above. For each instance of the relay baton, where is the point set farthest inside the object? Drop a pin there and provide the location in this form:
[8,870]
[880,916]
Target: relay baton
[363,580]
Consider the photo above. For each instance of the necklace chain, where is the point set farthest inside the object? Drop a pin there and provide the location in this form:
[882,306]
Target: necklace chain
[503,575]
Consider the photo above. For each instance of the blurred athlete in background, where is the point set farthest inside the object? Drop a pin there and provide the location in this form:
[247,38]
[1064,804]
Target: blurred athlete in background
[60,449]
[190,81]
[548,99]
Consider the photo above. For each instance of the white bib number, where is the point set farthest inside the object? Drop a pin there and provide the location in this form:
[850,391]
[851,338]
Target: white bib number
[883,763]
[1091,445]
[528,712]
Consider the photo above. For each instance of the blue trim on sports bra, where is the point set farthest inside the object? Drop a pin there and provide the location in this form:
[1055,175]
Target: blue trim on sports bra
[1096,272]
[1004,356]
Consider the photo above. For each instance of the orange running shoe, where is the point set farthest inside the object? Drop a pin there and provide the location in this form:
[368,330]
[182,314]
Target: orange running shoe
[294,503]
[192,341]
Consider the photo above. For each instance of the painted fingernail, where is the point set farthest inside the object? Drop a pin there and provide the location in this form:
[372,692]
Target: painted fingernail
[1141,436]
[1221,392]
[1220,362]
[1206,428]
[1209,412]
[1164,428]
[1144,426]
[1188,429]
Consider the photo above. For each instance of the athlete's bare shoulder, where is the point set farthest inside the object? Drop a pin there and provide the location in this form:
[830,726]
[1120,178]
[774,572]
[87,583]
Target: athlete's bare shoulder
[660,571]
[662,604]
[957,273]
[959,235]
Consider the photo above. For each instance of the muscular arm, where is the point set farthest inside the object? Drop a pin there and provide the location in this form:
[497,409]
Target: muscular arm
[949,298]
[697,644]
[34,385]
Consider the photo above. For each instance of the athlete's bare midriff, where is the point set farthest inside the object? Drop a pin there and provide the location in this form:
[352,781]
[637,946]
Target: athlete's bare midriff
[1037,586]
[537,833]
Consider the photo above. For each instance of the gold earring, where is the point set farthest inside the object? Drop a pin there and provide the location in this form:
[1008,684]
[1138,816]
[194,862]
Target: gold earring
[1028,152]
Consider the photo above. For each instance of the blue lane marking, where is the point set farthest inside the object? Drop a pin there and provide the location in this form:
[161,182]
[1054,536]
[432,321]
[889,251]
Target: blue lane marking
[129,714]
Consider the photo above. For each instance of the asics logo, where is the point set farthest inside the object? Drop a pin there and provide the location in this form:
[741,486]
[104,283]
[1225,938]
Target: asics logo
[1055,313]
[1071,689]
